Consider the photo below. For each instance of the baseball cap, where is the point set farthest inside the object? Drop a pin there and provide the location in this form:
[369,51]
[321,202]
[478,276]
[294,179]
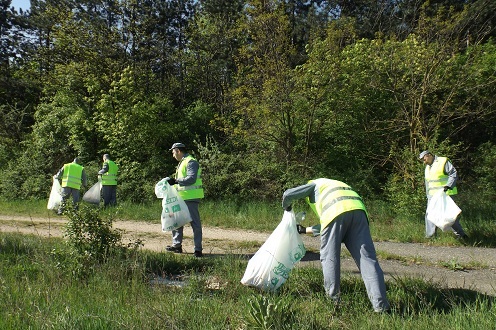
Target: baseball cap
[177,145]
[423,153]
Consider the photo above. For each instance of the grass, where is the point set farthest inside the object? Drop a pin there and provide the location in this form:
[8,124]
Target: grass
[40,290]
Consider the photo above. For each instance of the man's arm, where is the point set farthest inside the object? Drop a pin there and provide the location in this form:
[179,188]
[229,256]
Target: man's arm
[292,194]
[59,174]
[191,174]
[104,169]
[450,170]
[83,178]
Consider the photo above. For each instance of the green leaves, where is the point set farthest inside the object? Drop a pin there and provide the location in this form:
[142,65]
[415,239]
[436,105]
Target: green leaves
[269,313]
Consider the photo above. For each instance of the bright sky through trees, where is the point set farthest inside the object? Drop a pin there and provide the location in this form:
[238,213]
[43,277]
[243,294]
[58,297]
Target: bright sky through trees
[24,4]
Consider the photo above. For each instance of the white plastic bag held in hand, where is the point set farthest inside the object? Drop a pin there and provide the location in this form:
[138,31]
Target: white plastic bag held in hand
[442,210]
[55,198]
[175,213]
[269,268]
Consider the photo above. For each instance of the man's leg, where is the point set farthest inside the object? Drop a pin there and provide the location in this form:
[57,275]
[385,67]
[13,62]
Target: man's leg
[65,193]
[75,198]
[106,195]
[177,239]
[193,207]
[430,228]
[457,227]
[113,196]
[360,244]
[330,257]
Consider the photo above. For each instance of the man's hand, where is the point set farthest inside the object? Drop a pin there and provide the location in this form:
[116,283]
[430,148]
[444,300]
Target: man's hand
[289,208]
[172,181]
[301,229]
[446,188]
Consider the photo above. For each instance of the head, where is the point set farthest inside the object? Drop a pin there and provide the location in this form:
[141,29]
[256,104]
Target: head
[178,150]
[77,160]
[427,157]
[106,157]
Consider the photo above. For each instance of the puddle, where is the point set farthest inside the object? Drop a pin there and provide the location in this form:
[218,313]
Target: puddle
[177,282]
[211,283]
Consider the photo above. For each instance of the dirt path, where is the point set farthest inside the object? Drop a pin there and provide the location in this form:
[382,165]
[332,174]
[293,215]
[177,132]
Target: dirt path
[468,268]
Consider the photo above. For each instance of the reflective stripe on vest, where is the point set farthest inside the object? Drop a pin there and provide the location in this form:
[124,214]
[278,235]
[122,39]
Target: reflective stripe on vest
[72,175]
[110,177]
[194,191]
[436,179]
[335,197]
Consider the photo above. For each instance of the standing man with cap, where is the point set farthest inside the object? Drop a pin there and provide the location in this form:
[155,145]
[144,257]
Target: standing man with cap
[108,175]
[188,184]
[73,177]
[343,219]
[439,174]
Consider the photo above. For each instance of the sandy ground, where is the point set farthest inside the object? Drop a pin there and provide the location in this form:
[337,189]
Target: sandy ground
[469,268]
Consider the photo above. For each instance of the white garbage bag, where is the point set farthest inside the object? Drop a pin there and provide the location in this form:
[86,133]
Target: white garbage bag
[55,198]
[92,195]
[269,268]
[175,213]
[442,210]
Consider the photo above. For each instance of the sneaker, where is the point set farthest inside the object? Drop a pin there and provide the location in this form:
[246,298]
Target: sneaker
[198,254]
[175,249]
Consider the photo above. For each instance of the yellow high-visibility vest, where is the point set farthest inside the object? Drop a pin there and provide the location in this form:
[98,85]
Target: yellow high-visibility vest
[72,175]
[335,197]
[193,191]
[110,177]
[436,179]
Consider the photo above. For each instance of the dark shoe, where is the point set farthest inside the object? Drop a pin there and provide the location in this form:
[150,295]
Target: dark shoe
[382,310]
[175,249]
[198,254]
[462,237]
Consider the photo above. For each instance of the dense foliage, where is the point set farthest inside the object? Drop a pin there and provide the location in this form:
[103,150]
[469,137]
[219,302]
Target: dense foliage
[267,94]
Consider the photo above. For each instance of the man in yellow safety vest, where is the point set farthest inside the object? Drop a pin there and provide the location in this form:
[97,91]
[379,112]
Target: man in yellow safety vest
[108,175]
[188,184]
[343,219]
[73,177]
[440,174]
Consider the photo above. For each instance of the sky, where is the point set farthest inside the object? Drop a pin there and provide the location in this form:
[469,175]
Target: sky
[24,4]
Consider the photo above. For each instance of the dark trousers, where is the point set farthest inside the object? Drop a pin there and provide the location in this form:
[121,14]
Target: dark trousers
[109,194]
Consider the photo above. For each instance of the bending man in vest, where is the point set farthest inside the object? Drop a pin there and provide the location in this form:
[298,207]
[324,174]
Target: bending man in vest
[343,219]
[73,177]
[188,184]
[439,174]
[109,181]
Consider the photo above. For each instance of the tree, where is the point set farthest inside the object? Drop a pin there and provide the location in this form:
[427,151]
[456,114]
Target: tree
[213,45]
[18,92]
[262,115]
[134,133]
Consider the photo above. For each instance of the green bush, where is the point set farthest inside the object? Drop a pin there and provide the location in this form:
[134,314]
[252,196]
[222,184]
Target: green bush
[90,235]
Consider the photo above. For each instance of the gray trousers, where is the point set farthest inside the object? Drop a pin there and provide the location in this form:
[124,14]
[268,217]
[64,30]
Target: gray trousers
[65,193]
[430,228]
[177,235]
[352,229]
